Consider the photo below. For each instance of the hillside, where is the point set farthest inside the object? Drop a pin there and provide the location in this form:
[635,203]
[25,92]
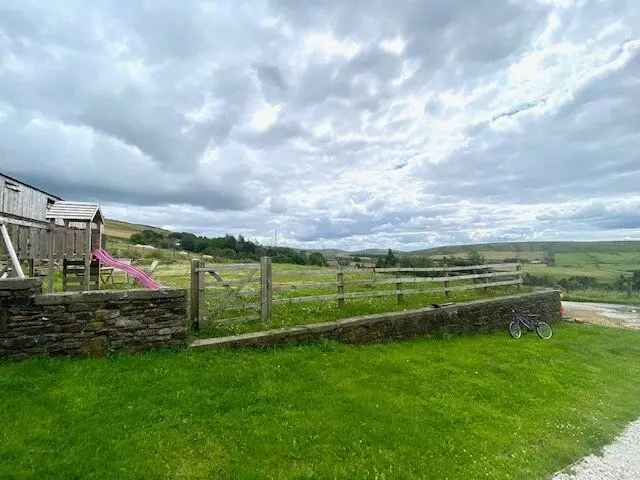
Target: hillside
[523,250]
[532,250]
[120,229]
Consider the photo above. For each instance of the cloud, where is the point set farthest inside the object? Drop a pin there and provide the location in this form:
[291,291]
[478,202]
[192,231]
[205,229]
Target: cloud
[343,124]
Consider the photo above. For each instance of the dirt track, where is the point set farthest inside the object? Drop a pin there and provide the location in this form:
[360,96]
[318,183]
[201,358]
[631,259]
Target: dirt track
[612,315]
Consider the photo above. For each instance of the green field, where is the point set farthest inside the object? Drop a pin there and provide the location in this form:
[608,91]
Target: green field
[124,230]
[480,406]
[604,262]
[176,273]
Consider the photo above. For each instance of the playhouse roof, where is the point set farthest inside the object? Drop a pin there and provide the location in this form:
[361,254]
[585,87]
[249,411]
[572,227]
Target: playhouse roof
[75,211]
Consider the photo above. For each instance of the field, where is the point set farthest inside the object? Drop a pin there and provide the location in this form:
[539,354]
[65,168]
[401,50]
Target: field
[600,264]
[124,230]
[465,407]
[603,262]
[174,271]
[604,268]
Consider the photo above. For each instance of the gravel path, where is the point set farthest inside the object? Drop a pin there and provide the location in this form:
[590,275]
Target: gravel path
[618,461]
[608,314]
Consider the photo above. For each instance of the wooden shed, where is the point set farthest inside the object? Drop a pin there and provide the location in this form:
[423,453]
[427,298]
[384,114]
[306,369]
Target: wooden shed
[23,203]
[40,228]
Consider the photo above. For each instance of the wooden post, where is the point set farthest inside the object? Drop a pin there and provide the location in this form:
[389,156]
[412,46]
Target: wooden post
[99,244]
[518,268]
[446,283]
[340,283]
[52,242]
[87,258]
[195,295]
[266,293]
[17,268]
[399,295]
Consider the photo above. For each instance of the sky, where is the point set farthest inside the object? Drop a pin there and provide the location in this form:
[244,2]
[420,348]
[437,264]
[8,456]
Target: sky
[337,124]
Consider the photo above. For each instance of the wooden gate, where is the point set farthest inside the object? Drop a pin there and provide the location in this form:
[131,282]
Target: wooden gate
[230,293]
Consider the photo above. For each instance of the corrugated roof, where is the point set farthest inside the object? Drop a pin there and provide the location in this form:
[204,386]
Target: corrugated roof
[74,211]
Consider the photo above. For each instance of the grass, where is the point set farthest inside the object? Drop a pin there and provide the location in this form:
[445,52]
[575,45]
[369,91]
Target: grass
[177,274]
[124,230]
[465,407]
[604,266]
[604,296]
[285,315]
[290,314]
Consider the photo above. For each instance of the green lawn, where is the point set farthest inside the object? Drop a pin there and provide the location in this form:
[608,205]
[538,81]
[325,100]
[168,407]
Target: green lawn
[465,407]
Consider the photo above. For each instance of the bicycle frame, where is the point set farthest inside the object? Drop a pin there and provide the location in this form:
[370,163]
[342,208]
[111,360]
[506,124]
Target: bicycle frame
[529,324]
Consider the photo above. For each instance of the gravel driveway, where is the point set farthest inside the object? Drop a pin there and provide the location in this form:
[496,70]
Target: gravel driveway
[611,315]
[618,461]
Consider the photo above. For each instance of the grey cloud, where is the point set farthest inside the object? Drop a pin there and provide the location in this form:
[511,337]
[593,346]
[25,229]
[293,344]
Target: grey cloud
[148,107]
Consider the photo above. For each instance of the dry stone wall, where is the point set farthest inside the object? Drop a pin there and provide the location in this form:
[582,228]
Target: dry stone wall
[87,323]
[470,317]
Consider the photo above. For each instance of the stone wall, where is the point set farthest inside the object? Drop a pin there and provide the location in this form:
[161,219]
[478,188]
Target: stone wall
[469,317]
[87,323]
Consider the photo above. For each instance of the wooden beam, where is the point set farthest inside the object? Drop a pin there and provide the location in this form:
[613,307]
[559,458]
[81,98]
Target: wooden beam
[450,269]
[266,286]
[87,258]
[17,268]
[51,245]
[195,295]
[387,293]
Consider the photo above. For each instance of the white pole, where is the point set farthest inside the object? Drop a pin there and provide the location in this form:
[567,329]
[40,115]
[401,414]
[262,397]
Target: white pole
[12,253]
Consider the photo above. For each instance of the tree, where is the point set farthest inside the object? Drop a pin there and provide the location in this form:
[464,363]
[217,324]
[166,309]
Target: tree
[390,260]
[474,257]
[635,281]
[316,258]
[147,237]
[549,257]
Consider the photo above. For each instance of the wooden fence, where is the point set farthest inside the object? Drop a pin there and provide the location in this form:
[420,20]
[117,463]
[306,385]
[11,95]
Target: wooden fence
[32,242]
[249,288]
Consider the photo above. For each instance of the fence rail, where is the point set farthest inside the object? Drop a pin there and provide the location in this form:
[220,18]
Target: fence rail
[251,286]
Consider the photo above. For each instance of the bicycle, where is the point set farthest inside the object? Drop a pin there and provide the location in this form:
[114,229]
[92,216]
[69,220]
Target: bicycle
[543,329]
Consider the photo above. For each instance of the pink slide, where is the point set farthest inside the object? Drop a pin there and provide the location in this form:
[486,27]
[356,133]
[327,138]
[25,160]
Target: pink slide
[140,276]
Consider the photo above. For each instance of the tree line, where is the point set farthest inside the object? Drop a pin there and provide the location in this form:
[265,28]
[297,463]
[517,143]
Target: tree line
[226,247]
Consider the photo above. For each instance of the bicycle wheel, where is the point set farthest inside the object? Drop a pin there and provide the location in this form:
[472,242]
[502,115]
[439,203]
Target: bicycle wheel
[543,330]
[514,329]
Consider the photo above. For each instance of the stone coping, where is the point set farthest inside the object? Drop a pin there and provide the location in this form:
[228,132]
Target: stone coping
[327,327]
[97,296]
[20,283]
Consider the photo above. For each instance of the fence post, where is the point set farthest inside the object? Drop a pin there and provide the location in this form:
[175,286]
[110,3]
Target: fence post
[52,243]
[399,295]
[446,282]
[195,294]
[266,292]
[340,283]
[518,270]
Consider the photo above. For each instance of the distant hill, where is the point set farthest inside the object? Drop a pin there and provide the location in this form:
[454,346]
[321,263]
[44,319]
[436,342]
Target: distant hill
[119,229]
[523,250]
[528,247]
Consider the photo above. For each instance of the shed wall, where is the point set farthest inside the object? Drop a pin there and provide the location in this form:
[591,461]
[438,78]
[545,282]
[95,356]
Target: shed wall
[27,203]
